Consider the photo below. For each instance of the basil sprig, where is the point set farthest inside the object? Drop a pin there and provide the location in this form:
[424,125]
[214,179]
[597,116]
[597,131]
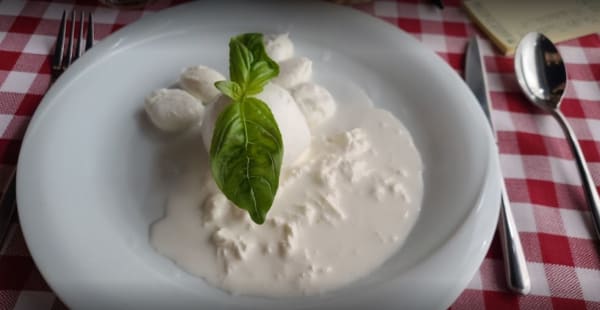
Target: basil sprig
[246,148]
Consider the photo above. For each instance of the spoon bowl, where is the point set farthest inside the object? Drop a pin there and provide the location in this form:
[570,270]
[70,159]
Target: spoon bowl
[540,71]
[542,77]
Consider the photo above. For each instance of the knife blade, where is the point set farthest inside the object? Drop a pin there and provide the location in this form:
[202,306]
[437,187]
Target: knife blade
[517,276]
[475,77]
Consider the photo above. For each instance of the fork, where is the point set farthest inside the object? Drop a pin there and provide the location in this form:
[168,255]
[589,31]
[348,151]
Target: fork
[59,62]
[59,65]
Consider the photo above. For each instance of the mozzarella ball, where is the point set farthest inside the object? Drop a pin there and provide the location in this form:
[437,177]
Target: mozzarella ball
[293,72]
[173,109]
[279,46]
[200,82]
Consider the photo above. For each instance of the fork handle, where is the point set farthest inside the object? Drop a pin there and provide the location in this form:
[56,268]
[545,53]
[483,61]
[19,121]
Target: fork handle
[515,266]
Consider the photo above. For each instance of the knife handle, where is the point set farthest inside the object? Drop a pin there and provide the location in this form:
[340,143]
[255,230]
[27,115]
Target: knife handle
[515,266]
[7,207]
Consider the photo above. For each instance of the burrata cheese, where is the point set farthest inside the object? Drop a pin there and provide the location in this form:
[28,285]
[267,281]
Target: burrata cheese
[292,124]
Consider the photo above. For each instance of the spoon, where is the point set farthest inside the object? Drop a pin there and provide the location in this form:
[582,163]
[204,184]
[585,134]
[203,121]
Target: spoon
[542,76]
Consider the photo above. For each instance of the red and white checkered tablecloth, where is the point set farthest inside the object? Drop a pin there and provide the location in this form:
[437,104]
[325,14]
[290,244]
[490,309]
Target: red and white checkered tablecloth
[544,187]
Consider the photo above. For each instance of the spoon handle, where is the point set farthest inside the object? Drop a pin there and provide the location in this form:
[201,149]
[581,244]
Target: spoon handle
[589,187]
[515,266]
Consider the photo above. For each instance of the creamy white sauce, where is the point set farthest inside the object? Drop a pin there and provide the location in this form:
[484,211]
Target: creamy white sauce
[341,210]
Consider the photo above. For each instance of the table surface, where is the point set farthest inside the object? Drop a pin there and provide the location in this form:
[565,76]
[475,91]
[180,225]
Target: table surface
[541,177]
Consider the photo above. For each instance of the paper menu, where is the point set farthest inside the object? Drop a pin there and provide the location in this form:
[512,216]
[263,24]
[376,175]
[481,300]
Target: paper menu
[505,22]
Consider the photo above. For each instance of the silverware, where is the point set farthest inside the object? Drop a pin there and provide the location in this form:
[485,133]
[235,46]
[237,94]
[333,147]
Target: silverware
[59,65]
[543,77]
[7,208]
[59,62]
[517,276]
[438,3]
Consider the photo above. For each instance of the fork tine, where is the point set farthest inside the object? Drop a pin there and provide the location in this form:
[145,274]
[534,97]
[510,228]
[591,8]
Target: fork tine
[89,41]
[59,49]
[79,36]
[71,38]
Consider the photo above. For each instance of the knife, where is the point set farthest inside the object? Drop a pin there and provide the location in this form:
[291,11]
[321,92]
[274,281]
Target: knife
[7,208]
[517,276]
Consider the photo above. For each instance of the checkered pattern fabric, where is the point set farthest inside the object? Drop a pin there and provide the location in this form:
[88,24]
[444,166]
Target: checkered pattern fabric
[562,255]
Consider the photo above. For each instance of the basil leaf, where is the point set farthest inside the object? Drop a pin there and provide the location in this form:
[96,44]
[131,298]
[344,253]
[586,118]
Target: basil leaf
[262,71]
[240,62]
[246,148]
[254,43]
[231,89]
[245,156]
[250,65]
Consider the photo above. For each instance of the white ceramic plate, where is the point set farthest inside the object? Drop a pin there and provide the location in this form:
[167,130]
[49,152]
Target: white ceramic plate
[89,186]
